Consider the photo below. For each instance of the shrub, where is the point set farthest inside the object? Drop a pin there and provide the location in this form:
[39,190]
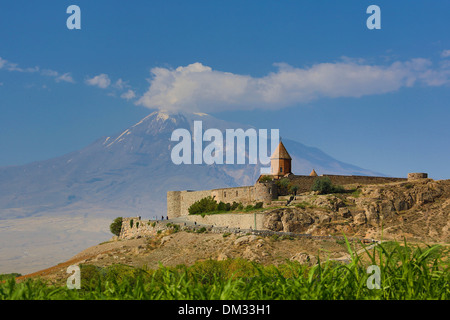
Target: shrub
[303,205]
[356,193]
[221,206]
[265,179]
[258,205]
[293,189]
[131,223]
[338,189]
[201,230]
[234,205]
[204,205]
[283,186]
[116,226]
[323,185]
[283,183]
[173,227]
[249,207]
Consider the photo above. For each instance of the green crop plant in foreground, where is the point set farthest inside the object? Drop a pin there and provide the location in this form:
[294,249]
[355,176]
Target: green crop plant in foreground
[406,273]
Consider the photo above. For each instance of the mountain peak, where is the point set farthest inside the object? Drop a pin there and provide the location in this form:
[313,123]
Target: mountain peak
[156,115]
[163,120]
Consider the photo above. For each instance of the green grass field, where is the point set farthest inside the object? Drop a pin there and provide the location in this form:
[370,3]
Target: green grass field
[406,273]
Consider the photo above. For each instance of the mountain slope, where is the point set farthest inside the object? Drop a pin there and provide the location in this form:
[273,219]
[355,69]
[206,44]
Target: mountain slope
[133,171]
[50,210]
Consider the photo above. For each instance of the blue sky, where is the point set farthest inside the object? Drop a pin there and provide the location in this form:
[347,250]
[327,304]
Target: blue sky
[375,98]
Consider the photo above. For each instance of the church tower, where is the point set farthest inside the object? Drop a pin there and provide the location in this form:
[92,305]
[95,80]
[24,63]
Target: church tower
[280,162]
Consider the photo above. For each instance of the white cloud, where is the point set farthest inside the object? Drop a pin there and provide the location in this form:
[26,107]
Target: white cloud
[120,84]
[50,73]
[15,67]
[445,54]
[101,81]
[130,94]
[10,66]
[66,77]
[200,88]
[5,64]
[118,88]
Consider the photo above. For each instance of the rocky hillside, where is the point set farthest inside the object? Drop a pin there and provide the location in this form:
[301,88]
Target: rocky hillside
[172,249]
[418,210]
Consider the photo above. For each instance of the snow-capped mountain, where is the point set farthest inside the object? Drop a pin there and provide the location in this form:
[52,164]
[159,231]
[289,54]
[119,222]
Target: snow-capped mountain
[133,171]
[50,210]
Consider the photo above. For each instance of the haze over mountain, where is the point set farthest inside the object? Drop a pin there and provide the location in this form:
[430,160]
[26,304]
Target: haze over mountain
[133,171]
[127,174]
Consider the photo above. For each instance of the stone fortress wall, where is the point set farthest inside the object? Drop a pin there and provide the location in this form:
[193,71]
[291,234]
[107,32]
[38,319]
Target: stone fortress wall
[417,175]
[178,202]
[133,227]
[149,228]
[267,191]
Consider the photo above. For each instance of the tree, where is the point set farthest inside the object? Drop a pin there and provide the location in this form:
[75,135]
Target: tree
[323,185]
[204,205]
[116,226]
[294,190]
[283,186]
[221,206]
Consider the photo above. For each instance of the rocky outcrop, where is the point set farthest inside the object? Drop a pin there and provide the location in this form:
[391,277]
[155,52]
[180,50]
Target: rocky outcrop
[360,219]
[411,208]
[328,201]
[380,202]
[304,258]
[289,220]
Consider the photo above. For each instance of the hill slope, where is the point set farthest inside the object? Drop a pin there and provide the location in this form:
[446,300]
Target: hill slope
[49,210]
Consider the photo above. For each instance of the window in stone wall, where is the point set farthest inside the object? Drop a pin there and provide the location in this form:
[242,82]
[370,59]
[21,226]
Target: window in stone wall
[281,169]
[270,190]
[224,194]
[237,193]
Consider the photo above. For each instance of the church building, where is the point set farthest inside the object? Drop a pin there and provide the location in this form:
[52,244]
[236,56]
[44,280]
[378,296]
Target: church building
[280,162]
